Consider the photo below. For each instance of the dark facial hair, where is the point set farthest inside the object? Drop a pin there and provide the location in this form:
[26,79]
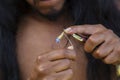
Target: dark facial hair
[50,16]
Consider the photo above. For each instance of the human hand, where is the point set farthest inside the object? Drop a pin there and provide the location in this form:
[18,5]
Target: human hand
[54,65]
[102,43]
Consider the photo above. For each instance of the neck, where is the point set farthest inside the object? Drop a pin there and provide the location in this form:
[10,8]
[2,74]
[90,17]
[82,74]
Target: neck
[64,19]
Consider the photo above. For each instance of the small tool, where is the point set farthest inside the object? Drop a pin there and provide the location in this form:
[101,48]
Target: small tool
[80,38]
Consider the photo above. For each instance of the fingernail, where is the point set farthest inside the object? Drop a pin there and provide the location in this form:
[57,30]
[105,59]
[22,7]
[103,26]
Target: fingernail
[70,48]
[68,30]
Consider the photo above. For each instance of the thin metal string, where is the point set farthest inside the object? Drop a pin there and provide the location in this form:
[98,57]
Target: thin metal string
[66,36]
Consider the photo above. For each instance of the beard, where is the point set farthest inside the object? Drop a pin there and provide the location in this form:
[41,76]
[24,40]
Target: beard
[53,14]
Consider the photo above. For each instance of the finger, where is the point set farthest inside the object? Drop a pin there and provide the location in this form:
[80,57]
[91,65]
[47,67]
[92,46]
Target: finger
[69,54]
[41,69]
[56,55]
[94,41]
[85,29]
[61,65]
[62,54]
[97,40]
[65,75]
[55,66]
[103,51]
[49,78]
[70,47]
[53,55]
[112,58]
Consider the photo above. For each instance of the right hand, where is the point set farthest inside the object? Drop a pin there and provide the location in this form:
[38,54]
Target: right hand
[54,65]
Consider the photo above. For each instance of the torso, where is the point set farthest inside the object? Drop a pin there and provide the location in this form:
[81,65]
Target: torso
[35,38]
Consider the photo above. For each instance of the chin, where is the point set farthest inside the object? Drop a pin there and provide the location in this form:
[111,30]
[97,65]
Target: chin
[49,6]
[49,3]
[53,14]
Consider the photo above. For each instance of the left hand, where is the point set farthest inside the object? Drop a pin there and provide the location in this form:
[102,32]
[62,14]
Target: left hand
[102,43]
[53,65]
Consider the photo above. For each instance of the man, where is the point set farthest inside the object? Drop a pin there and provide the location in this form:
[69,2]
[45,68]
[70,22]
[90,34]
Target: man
[40,58]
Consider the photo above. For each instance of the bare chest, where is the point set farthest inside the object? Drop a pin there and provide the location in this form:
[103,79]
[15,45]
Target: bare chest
[33,42]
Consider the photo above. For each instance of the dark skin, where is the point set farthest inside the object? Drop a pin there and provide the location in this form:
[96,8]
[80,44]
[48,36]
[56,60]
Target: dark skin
[34,41]
[102,43]
[39,60]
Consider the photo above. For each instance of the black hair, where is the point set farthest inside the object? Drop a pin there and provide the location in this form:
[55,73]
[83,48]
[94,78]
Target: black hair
[8,61]
[97,12]
[83,12]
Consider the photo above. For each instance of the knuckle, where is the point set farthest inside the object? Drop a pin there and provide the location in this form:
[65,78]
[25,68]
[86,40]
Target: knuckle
[38,60]
[97,54]
[107,61]
[92,40]
[101,53]
[39,57]
[86,49]
[40,69]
